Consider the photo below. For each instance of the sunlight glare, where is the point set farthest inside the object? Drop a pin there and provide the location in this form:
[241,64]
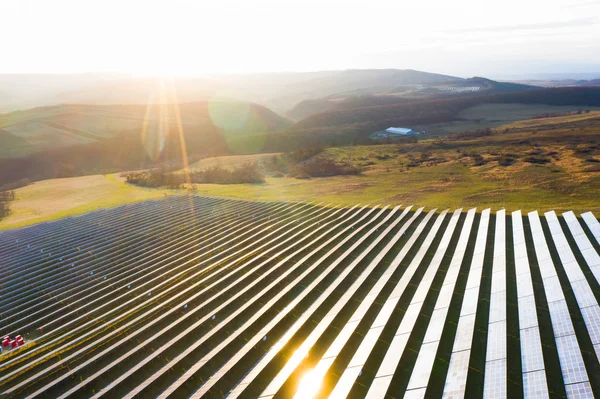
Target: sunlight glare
[310,384]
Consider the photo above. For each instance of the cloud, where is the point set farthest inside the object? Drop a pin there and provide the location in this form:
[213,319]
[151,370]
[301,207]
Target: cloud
[588,21]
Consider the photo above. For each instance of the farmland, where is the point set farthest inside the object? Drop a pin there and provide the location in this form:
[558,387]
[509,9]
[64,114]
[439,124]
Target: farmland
[190,296]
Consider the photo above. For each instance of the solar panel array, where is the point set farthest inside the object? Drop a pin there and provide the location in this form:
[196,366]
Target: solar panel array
[190,296]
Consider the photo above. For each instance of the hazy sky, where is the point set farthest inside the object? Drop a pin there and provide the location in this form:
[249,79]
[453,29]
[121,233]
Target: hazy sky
[461,37]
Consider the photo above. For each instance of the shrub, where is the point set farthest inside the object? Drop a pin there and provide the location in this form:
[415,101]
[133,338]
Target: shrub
[478,159]
[246,174]
[506,160]
[155,178]
[537,160]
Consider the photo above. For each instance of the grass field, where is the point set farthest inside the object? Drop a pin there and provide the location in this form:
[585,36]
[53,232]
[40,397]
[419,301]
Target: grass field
[555,164]
[494,115]
[56,198]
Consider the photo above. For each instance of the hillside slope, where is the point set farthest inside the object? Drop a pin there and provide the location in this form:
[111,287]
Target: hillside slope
[278,91]
[407,92]
[439,110]
[45,128]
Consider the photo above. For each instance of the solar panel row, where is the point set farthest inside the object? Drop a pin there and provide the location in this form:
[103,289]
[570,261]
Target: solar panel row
[191,296]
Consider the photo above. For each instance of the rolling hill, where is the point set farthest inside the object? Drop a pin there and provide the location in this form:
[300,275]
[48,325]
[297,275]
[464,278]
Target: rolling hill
[436,88]
[403,112]
[45,128]
[278,91]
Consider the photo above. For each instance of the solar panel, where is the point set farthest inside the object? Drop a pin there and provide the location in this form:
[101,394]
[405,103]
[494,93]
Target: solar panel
[520,251]
[596,272]
[424,363]
[393,355]
[553,289]
[345,383]
[385,313]
[535,385]
[495,386]
[582,390]
[364,351]
[524,285]
[436,325]
[340,340]
[464,333]
[497,306]
[571,362]
[470,301]
[592,223]
[496,347]
[531,350]
[495,366]
[474,278]
[409,319]
[422,370]
[561,319]
[591,316]
[456,380]
[500,234]
[199,355]
[573,271]
[445,296]
[583,293]
[414,394]
[591,256]
[517,226]
[522,265]
[576,230]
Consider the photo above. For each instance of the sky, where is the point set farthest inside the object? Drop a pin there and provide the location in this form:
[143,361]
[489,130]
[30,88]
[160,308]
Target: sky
[189,38]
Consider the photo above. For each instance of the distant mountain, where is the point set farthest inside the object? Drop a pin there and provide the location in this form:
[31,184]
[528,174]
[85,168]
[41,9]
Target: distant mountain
[562,82]
[590,83]
[22,91]
[418,112]
[436,88]
[278,91]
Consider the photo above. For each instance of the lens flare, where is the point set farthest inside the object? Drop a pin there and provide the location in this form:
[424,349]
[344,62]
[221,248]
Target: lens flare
[229,115]
[154,131]
[243,128]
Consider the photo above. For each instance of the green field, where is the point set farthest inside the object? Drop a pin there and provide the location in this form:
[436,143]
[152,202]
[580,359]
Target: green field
[57,198]
[494,115]
[555,165]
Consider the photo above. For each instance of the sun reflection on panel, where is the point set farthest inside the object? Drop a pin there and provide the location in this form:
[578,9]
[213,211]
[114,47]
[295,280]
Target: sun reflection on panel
[310,384]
